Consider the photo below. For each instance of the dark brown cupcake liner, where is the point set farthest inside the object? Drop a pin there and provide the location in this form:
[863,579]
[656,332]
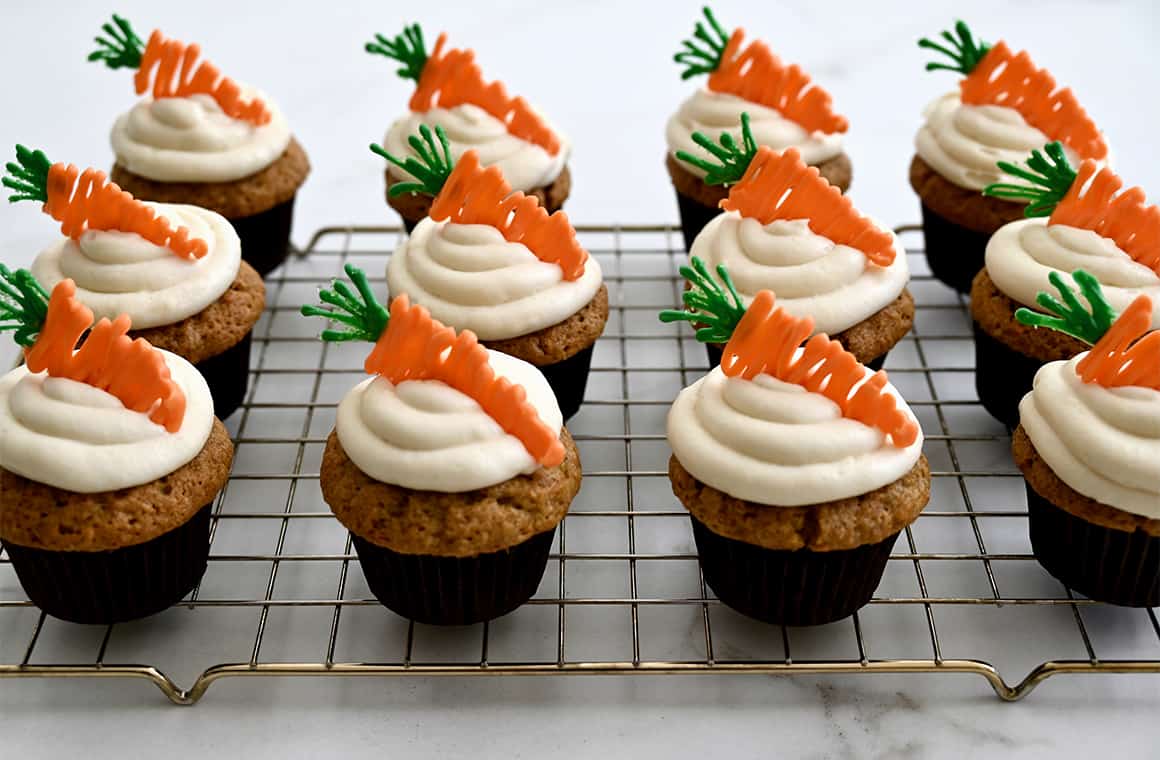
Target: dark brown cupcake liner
[569,379]
[115,586]
[455,590]
[266,236]
[799,587]
[954,254]
[715,350]
[409,224]
[1104,564]
[1003,376]
[694,217]
[228,376]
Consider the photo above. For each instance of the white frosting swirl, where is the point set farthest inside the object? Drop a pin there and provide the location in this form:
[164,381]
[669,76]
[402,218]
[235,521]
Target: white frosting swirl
[715,112]
[963,143]
[1103,442]
[427,436]
[835,284]
[190,139]
[468,276]
[775,443]
[1022,254]
[525,165]
[122,273]
[81,439]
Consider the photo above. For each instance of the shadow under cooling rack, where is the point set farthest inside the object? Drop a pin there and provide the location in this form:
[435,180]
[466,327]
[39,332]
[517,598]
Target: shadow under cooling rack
[623,594]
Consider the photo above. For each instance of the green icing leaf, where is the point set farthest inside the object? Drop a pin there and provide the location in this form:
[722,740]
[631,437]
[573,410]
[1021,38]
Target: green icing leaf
[1050,175]
[717,309]
[27,177]
[732,159]
[431,165]
[702,54]
[964,52]
[1072,316]
[23,305]
[365,318]
[120,48]
[407,48]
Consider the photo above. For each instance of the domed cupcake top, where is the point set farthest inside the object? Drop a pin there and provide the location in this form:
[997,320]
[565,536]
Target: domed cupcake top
[486,259]
[1095,419]
[155,263]
[787,424]
[197,125]
[442,412]
[450,90]
[787,108]
[1005,107]
[1078,220]
[788,230]
[112,414]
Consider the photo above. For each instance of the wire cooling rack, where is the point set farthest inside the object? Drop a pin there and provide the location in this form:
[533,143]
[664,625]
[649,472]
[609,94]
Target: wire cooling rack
[623,594]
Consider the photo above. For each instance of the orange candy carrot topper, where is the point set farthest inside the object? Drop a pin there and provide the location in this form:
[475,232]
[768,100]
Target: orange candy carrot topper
[1128,353]
[174,70]
[83,201]
[767,341]
[757,75]
[131,370]
[411,345]
[449,78]
[781,186]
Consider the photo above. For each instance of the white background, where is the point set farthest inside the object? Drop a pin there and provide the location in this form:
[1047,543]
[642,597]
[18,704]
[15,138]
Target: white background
[603,71]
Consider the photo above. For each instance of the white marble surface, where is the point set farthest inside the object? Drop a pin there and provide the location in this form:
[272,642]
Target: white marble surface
[338,99]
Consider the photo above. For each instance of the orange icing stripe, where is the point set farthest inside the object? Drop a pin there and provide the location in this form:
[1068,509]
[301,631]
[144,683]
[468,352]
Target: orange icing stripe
[1005,79]
[88,201]
[765,342]
[453,78]
[1124,218]
[1114,361]
[131,370]
[781,186]
[416,347]
[173,58]
[474,195]
[759,76]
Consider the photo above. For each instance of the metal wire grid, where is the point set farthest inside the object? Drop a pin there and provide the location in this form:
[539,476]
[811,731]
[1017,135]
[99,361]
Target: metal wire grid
[623,593]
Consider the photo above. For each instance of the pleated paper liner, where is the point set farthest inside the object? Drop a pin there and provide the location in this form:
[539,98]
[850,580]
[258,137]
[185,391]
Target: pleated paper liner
[265,236]
[455,590]
[228,377]
[785,587]
[954,254]
[1104,564]
[694,217]
[715,350]
[119,585]
[1003,376]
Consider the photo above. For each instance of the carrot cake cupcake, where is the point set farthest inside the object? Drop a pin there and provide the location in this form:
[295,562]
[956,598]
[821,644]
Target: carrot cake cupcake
[787,230]
[202,139]
[111,459]
[1004,108]
[497,263]
[175,270]
[799,468]
[1088,444]
[505,131]
[785,108]
[1080,227]
[450,465]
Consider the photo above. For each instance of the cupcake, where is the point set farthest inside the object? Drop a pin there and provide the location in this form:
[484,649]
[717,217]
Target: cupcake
[497,263]
[787,230]
[1078,226]
[505,131]
[785,108]
[798,466]
[450,465]
[202,139]
[1088,443]
[175,270]
[1004,108]
[111,459]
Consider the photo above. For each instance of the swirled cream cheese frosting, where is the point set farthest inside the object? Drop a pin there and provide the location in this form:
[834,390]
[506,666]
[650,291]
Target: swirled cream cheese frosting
[713,113]
[426,435]
[834,284]
[1103,442]
[1021,255]
[122,273]
[79,438]
[524,164]
[963,143]
[470,277]
[190,139]
[776,443]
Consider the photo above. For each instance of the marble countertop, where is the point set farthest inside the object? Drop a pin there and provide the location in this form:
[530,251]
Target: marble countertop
[603,71]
